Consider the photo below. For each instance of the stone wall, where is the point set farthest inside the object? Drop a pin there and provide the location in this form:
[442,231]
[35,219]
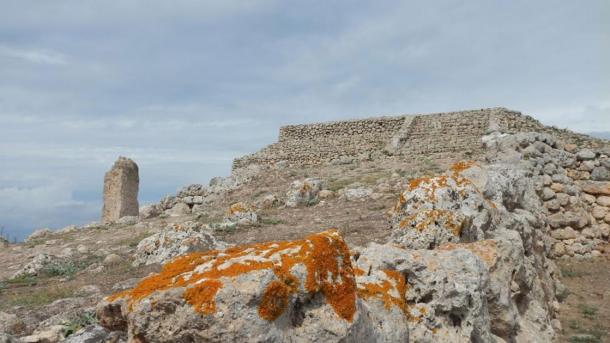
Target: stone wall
[407,136]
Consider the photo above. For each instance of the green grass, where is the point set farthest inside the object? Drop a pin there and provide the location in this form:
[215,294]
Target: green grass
[335,185]
[271,221]
[589,312]
[568,273]
[312,202]
[593,335]
[37,297]
[68,268]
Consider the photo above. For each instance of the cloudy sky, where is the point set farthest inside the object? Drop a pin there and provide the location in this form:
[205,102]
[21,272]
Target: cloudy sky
[183,87]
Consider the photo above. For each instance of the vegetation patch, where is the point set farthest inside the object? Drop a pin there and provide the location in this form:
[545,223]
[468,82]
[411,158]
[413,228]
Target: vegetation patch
[78,322]
[271,221]
[36,297]
[589,312]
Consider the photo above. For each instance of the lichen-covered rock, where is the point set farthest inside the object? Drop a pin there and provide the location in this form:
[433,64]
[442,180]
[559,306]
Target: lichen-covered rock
[175,240]
[303,192]
[35,266]
[241,214]
[433,211]
[295,291]
[444,299]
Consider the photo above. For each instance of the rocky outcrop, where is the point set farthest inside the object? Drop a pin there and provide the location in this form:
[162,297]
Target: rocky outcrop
[175,240]
[121,184]
[304,192]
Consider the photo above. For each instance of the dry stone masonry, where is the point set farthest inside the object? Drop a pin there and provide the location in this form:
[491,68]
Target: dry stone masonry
[407,136]
[121,184]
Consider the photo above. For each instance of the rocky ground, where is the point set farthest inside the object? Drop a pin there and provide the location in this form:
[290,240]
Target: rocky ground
[51,284]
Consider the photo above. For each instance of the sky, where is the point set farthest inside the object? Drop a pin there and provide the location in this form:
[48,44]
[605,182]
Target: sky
[185,86]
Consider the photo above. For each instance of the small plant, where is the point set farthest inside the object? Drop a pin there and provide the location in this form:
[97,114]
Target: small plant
[80,321]
[22,281]
[61,268]
[588,312]
[574,324]
[572,273]
[563,295]
[271,221]
[312,202]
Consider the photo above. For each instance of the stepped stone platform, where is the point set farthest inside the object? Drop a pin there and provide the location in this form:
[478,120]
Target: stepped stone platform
[407,136]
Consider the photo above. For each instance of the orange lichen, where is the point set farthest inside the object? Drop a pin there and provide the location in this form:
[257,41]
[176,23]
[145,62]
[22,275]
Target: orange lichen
[275,300]
[237,208]
[324,255]
[201,296]
[358,272]
[391,292]
[422,219]
[459,167]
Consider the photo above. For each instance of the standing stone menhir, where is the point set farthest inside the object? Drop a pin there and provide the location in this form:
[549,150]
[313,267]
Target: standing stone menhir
[121,184]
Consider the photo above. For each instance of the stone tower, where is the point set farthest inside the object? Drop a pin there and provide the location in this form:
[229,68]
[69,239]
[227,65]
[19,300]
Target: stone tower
[121,184]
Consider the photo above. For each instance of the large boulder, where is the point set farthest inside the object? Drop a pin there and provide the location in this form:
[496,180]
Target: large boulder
[175,240]
[121,184]
[445,295]
[433,211]
[295,291]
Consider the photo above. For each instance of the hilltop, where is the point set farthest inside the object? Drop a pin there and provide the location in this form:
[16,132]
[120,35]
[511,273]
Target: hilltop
[463,226]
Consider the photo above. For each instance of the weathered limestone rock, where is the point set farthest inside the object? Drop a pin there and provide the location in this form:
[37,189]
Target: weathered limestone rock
[295,291]
[443,305]
[36,265]
[303,192]
[596,187]
[175,240]
[585,155]
[179,209]
[89,334]
[357,194]
[241,214]
[433,211]
[121,184]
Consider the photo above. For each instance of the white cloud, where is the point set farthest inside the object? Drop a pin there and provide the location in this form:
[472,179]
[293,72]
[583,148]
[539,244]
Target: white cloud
[34,56]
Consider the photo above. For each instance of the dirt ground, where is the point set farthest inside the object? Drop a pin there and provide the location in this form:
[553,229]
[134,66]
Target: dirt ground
[585,313]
